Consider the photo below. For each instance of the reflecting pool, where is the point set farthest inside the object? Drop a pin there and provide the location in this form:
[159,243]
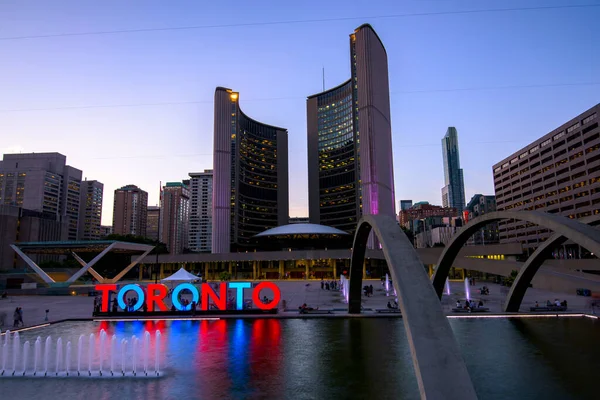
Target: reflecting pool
[545,358]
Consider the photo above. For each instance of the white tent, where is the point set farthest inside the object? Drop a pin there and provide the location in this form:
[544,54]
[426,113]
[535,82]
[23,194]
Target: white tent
[182,276]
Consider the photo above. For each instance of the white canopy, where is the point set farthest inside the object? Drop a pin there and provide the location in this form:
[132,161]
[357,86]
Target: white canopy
[181,276]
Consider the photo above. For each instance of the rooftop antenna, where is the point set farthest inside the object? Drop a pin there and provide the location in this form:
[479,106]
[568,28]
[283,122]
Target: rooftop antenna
[323,78]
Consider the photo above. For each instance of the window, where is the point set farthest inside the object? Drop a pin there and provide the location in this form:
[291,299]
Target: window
[559,135]
[534,149]
[546,142]
[590,118]
[573,127]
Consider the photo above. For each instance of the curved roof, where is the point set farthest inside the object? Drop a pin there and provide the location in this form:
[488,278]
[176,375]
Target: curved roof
[301,229]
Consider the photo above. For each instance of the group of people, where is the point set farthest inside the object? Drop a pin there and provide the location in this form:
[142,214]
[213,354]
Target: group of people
[368,290]
[469,304]
[391,306]
[484,290]
[18,317]
[556,303]
[329,285]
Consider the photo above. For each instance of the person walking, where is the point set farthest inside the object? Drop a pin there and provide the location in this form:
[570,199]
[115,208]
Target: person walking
[16,318]
[21,316]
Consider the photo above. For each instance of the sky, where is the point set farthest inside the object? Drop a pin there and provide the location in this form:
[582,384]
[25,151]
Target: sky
[137,107]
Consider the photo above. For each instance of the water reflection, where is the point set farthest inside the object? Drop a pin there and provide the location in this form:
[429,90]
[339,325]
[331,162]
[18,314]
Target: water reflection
[326,358]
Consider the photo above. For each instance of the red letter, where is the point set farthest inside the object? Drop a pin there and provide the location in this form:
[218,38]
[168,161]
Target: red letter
[220,301]
[256,295]
[152,297]
[105,289]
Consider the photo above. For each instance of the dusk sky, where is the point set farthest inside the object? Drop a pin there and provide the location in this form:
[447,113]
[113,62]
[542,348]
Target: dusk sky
[503,79]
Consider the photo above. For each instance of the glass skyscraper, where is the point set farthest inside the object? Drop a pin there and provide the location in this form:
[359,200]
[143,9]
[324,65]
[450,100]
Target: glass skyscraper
[350,167]
[453,193]
[250,176]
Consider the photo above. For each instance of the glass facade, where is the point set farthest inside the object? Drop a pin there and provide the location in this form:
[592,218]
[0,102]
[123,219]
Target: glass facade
[453,194]
[339,202]
[254,177]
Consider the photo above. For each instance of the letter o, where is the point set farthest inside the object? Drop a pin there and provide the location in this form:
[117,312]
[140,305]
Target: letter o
[138,290]
[256,295]
[175,296]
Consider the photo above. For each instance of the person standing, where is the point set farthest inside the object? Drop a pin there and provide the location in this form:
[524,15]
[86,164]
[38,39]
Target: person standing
[21,316]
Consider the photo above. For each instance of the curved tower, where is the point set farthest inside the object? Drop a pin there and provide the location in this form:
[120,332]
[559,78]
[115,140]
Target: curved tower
[250,176]
[350,166]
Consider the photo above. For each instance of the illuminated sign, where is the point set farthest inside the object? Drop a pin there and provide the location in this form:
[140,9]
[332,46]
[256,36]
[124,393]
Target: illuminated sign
[154,294]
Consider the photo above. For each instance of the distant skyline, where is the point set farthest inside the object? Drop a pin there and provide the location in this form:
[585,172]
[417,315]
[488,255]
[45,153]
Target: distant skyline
[502,78]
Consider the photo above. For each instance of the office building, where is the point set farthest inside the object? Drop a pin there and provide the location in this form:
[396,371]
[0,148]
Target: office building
[453,193]
[477,206]
[18,224]
[405,204]
[42,182]
[152,217]
[250,176]
[90,210]
[129,211]
[174,216]
[201,189]
[350,166]
[558,173]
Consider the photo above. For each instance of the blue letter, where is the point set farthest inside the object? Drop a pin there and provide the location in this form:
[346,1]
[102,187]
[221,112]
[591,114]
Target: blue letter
[175,296]
[140,300]
[240,286]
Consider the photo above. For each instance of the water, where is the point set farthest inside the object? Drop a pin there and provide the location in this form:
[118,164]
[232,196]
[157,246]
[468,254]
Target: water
[57,361]
[549,358]
[467,289]
[447,287]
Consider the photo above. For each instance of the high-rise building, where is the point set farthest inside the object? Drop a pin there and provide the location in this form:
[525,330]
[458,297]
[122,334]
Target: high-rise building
[250,176]
[153,215]
[453,194]
[129,211]
[558,173]
[42,182]
[350,166]
[405,204]
[90,210]
[201,189]
[174,217]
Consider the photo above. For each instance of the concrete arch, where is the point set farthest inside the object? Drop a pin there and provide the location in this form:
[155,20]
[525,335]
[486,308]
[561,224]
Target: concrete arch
[574,230]
[439,366]
[533,264]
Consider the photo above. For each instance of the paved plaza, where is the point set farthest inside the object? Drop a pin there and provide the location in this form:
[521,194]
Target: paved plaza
[294,293]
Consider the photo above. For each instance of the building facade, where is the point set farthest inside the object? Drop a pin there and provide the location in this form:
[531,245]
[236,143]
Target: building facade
[174,216]
[21,225]
[130,211]
[250,176]
[43,182]
[152,220]
[453,193]
[559,173]
[90,210]
[201,190]
[105,230]
[299,220]
[479,205]
[350,166]
[423,210]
